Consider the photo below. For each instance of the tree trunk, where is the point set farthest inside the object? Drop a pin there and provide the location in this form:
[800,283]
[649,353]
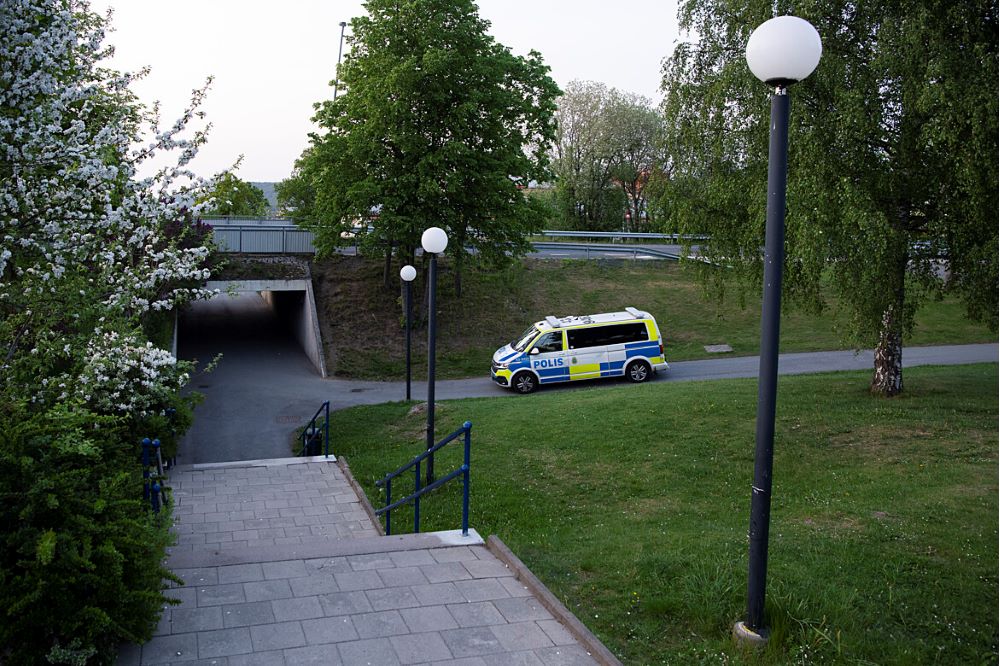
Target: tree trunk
[459,256]
[387,269]
[887,380]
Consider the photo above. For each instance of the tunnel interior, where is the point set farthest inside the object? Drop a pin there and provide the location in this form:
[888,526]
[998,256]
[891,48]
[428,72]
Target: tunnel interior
[247,327]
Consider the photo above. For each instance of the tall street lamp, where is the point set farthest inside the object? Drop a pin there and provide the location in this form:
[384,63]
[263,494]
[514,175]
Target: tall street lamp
[434,241]
[407,273]
[780,52]
[340,50]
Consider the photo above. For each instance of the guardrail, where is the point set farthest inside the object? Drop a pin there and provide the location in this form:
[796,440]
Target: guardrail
[284,237]
[414,497]
[311,434]
[634,250]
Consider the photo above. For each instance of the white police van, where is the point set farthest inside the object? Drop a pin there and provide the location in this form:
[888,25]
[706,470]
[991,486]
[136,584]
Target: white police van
[613,344]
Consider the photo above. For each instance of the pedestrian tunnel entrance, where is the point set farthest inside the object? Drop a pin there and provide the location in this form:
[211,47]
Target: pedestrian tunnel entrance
[246,314]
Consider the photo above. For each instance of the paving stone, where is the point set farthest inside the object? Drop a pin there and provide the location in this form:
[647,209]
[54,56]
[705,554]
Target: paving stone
[411,558]
[170,649]
[359,580]
[218,595]
[313,585]
[240,573]
[464,661]
[437,593]
[224,642]
[267,590]
[476,614]
[393,597]
[445,571]
[369,562]
[382,623]
[428,618]
[521,636]
[457,554]
[278,636]
[471,642]
[419,648]
[481,589]
[303,608]
[184,620]
[259,659]
[565,655]
[329,630]
[487,569]
[398,577]
[522,609]
[556,632]
[344,603]
[289,569]
[313,655]
[375,652]
[243,615]
[187,596]
[514,587]
[198,577]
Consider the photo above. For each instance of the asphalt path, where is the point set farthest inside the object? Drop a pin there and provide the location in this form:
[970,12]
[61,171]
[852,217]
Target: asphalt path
[264,387]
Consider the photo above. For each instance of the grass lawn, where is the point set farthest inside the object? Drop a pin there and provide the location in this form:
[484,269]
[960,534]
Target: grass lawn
[363,331]
[631,502]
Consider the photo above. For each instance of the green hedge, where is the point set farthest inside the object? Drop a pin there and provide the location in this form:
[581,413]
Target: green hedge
[80,555]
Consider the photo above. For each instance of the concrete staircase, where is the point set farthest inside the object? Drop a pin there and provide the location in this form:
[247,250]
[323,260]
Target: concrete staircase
[283,564]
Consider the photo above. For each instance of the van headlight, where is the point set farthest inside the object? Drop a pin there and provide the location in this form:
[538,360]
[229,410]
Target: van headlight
[502,366]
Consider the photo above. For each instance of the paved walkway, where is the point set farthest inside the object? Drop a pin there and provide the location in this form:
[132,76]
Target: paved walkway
[282,565]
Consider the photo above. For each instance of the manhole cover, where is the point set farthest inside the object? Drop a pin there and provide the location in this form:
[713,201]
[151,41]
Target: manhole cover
[358,390]
[204,386]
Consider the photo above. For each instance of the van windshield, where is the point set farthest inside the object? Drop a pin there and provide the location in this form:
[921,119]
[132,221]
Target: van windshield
[524,339]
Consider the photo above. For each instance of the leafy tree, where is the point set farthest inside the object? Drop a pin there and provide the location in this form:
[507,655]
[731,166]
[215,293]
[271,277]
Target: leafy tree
[608,145]
[436,125]
[232,196]
[892,164]
[88,251]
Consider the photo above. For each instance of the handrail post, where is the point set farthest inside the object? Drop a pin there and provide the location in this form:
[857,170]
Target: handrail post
[416,503]
[326,428]
[388,501]
[465,479]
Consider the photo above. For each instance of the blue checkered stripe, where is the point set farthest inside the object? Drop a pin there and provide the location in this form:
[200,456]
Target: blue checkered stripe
[642,349]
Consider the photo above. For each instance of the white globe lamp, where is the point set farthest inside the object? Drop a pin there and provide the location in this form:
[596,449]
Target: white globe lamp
[784,50]
[434,240]
[408,273]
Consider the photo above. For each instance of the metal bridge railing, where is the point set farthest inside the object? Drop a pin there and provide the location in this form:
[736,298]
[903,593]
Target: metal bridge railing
[414,497]
[312,436]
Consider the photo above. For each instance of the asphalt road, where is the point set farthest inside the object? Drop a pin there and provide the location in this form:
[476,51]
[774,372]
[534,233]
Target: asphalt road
[264,386]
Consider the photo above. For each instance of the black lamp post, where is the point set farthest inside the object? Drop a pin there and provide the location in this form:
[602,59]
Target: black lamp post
[434,241]
[407,273]
[340,51]
[780,52]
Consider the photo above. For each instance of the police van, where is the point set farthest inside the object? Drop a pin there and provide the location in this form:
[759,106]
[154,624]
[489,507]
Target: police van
[614,344]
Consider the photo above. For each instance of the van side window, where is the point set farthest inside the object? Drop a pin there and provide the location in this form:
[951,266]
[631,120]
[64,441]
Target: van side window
[550,342]
[599,336]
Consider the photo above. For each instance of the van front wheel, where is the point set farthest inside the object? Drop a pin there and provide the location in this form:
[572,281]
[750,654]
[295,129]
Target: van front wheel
[524,382]
[638,372]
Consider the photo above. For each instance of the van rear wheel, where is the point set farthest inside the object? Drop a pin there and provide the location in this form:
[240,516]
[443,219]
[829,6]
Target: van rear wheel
[524,382]
[638,371]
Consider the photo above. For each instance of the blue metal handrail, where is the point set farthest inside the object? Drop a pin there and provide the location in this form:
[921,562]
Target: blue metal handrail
[310,430]
[415,496]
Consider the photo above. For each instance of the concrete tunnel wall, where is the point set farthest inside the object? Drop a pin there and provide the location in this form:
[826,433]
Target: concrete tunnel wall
[294,303]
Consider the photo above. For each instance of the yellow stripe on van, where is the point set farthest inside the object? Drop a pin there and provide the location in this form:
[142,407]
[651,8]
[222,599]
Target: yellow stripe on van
[575,371]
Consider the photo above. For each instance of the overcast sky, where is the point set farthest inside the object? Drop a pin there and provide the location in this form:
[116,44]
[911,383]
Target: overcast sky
[272,60]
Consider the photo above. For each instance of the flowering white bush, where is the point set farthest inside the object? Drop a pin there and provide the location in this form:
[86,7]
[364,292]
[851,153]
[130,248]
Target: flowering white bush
[85,243]
[126,374]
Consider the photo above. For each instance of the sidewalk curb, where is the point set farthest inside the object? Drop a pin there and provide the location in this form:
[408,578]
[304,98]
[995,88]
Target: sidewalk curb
[590,642]
[362,497]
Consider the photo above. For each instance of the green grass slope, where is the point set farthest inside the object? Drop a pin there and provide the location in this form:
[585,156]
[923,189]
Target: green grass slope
[632,504]
[362,323]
